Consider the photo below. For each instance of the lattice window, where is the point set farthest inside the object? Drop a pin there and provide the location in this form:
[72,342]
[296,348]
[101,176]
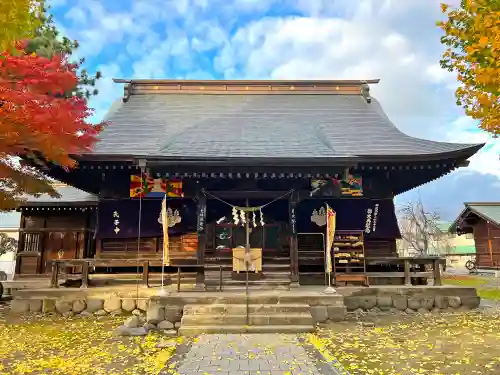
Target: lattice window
[32,242]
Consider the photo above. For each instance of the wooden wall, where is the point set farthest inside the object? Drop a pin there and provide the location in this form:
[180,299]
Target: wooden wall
[51,235]
[487,241]
[381,248]
[181,248]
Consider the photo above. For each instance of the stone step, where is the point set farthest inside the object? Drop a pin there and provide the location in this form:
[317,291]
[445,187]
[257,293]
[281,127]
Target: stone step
[257,297]
[212,329]
[236,309]
[300,319]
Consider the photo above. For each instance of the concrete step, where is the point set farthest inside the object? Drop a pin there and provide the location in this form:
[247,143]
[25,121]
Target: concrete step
[300,319]
[213,329]
[279,308]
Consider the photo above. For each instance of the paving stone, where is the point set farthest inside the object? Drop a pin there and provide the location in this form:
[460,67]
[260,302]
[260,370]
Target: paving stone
[247,354]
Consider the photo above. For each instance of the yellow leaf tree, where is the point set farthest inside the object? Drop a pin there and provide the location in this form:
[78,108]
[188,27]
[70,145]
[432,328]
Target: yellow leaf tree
[19,19]
[472,38]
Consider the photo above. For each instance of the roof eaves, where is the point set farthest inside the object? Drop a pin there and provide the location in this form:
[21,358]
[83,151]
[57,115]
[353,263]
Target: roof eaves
[350,160]
[460,154]
[464,152]
[483,215]
[482,203]
[469,208]
[453,227]
[61,203]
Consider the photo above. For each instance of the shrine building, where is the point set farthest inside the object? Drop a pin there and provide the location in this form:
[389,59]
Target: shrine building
[279,151]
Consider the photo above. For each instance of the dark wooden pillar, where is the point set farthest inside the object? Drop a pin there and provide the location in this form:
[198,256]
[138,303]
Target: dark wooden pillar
[201,225]
[20,244]
[294,248]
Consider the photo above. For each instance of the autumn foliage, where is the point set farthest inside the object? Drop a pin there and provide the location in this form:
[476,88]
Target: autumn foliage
[41,118]
[472,37]
[19,19]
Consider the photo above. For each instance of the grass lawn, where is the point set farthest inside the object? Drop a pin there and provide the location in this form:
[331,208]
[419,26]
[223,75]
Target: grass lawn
[432,344]
[53,345]
[487,287]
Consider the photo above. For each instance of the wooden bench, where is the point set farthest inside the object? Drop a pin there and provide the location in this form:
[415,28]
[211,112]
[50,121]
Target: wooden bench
[408,262]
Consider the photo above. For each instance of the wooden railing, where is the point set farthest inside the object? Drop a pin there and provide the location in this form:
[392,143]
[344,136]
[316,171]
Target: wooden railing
[408,263]
[87,264]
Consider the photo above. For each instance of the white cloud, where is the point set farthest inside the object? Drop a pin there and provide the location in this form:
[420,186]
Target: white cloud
[329,47]
[76,15]
[108,90]
[465,129]
[394,40]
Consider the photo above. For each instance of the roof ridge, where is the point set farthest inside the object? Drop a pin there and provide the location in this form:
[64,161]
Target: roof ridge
[228,87]
[250,82]
[482,203]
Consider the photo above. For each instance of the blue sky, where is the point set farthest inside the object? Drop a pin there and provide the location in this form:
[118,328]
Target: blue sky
[394,40]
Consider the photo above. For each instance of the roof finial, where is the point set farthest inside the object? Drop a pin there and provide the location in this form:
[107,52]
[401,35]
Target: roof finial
[128,92]
[365,91]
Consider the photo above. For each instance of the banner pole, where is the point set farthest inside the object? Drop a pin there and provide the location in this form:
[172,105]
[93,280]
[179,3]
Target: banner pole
[164,222]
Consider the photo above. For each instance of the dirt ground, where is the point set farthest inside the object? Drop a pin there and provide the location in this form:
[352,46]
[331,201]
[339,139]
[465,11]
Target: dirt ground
[431,344]
[53,345]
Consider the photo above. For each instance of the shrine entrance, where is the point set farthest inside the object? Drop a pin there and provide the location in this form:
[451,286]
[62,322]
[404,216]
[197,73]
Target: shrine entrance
[231,226]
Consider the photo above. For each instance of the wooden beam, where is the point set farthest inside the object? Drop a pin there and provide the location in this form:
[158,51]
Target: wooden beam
[407,272]
[59,230]
[201,225]
[98,246]
[85,275]
[54,283]
[145,273]
[437,273]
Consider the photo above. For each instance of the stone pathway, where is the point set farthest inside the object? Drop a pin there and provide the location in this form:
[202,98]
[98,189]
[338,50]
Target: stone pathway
[250,354]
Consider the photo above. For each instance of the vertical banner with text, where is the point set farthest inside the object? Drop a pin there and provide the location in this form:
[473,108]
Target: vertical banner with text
[164,222]
[201,215]
[330,234]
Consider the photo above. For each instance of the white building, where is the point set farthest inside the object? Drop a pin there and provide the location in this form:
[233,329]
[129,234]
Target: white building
[9,225]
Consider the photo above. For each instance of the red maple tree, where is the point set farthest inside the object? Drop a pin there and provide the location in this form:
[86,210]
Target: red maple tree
[41,117]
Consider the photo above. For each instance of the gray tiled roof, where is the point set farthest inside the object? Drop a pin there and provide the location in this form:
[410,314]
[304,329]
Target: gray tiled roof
[69,195]
[265,126]
[489,211]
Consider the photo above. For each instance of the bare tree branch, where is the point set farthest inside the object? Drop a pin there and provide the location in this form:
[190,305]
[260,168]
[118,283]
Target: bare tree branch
[7,243]
[419,228]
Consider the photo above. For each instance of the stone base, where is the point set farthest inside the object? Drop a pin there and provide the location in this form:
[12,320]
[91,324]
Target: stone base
[266,307]
[412,298]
